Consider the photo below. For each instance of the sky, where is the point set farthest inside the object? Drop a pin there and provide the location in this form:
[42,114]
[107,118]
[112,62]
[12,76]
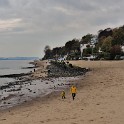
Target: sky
[27,26]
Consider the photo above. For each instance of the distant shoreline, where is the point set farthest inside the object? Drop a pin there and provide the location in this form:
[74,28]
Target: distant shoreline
[19,58]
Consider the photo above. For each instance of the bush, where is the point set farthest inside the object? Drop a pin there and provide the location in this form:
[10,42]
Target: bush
[70,65]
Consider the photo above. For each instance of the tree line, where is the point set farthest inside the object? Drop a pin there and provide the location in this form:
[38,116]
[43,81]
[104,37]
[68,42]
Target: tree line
[108,41]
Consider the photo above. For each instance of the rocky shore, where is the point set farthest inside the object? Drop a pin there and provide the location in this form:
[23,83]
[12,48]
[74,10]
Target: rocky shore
[47,77]
[65,69]
[54,70]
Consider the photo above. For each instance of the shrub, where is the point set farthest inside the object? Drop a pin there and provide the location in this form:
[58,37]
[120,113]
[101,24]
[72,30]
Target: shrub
[70,65]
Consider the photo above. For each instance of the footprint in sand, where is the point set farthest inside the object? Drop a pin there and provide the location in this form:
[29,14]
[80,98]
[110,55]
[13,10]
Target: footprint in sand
[48,120]
[3,119]
[17,123]
[42,121]
[91,120]
[98,104]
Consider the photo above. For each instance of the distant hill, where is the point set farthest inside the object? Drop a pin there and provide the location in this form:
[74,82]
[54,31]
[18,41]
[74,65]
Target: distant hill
[19,58]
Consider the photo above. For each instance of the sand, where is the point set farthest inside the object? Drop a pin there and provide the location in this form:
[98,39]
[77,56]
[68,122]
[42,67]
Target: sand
[41,71]
[99,100]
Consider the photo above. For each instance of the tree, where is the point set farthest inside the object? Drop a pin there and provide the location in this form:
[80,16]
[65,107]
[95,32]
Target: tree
[57,51]
[115,50]
[107,32]
[68,46]
[106,46]
[118,37]
[72,45]
[46,48]
[48,53]
[63,52]
[86,39]
[109,40]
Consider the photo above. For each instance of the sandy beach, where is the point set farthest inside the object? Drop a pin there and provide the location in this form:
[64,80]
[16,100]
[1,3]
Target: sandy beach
[99,100]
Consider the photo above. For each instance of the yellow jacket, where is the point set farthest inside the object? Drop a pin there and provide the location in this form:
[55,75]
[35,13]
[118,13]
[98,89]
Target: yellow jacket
[63,93]
[73,89]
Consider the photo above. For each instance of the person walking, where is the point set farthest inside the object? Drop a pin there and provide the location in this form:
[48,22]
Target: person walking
[73,91]
[63,94]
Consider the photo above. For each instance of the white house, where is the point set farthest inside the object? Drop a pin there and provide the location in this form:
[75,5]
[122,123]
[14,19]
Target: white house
[122,47]
[82,47]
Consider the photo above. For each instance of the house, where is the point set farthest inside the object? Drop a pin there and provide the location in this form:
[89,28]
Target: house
[122,47]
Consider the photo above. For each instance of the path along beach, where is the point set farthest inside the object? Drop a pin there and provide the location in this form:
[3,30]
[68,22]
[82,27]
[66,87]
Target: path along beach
[99,100]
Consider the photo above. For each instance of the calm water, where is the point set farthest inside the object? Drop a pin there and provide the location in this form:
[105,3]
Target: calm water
[13,67]
[28,90]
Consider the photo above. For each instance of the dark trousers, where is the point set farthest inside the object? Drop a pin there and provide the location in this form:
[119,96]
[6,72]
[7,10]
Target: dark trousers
[73,95]
[63,97]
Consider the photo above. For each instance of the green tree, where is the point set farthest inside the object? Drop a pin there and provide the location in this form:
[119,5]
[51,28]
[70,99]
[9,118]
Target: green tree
[56,51]
[106,46]
[73,45]
[86,39]
[115,50]
[107,32]
[118,36]
[48,52]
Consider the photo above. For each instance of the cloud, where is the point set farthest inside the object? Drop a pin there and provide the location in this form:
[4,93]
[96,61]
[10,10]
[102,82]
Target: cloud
[4,3]
[10,24]
[54,22]
[62,15]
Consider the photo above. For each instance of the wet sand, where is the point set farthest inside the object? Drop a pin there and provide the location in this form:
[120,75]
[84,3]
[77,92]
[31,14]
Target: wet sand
[99,100]
[32,86]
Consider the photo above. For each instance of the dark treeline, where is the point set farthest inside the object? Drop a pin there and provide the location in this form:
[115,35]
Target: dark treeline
[107,44]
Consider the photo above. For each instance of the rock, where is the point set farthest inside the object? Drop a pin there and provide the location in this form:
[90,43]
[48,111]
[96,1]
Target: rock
[58,69]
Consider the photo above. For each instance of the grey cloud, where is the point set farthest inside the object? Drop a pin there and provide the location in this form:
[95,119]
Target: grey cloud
[4,3]
[42,13]
[44,21]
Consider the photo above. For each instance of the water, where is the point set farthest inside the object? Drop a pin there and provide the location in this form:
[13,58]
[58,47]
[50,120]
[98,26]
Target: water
[13,67]
[26,91]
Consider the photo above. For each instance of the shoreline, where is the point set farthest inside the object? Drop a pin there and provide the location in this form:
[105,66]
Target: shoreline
[62,83]
[22,90]
[49,96]
[99,100]
[35,84]
[43,99]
